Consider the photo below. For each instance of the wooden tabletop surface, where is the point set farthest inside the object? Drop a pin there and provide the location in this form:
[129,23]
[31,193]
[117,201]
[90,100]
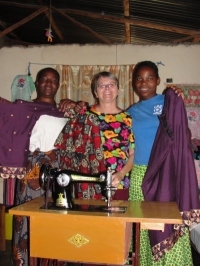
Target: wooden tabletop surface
[137,211]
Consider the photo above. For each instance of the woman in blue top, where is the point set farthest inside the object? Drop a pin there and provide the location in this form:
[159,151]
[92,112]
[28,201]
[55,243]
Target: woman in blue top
[144,115]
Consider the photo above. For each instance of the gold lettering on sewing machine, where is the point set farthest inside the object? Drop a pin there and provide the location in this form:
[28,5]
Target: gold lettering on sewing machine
[88,178]
[78,240]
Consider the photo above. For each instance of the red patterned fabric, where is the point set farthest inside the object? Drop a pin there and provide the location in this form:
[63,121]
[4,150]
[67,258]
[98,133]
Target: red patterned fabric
[81,151]
[80,145]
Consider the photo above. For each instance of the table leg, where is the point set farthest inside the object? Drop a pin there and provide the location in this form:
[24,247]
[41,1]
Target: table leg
[2,226]
[136,254]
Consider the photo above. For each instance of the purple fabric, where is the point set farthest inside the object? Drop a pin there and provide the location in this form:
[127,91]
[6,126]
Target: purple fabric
[16,123]
[171,174]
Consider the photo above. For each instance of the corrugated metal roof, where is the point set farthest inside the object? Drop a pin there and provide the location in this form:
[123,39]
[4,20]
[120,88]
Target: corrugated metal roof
[100,22]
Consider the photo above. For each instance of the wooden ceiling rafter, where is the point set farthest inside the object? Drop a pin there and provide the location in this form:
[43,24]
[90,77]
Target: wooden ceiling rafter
[15,39]
[97,35]
[114,19]
[126,4]
[23,21]
[196,39]
[187,38]
[190,34]
[64,15]
[3,3]
[136,22]
[3,25]
[53,23]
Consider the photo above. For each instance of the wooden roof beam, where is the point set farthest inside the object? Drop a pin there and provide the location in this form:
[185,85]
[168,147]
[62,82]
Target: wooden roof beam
[3,3]
[142,23]
[186,38]
[137,22]
[23,21]
[3,24]
[196,39]
[127,25]
[100,37]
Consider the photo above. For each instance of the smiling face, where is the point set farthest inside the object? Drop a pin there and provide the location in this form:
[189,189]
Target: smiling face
[47,85]
[145,82]
[107,90]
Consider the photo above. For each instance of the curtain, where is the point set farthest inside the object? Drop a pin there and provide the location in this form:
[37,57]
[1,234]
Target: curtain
[75,83]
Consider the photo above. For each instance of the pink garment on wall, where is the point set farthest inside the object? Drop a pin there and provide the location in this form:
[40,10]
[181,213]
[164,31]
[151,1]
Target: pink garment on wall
[193,115]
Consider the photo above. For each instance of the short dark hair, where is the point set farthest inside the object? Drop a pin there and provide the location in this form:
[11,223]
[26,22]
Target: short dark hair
[39,74]
[104,74]
[142,64]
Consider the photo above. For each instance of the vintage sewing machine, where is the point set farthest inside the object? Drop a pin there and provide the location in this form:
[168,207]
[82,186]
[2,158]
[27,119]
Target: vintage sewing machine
[61,182]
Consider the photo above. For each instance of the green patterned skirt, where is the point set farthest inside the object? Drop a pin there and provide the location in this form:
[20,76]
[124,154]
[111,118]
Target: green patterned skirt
[180,254]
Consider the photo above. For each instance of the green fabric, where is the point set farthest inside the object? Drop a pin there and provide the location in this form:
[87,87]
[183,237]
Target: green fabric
[180,254]
[22,88]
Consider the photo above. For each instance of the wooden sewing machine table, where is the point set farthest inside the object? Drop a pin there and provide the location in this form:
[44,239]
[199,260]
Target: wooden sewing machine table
[93,237]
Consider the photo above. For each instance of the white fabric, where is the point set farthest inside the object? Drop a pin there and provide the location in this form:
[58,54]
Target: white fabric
[195,235]
[45,132]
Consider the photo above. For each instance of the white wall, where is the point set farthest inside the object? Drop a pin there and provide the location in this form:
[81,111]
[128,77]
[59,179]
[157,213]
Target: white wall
[181,62]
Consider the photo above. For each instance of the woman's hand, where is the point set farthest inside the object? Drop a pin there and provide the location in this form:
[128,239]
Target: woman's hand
[80,105]
[66,104]
[117,178]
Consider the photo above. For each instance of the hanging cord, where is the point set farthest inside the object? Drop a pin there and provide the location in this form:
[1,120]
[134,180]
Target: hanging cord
[29,71]
[42,64]
[50,14]
[48,32]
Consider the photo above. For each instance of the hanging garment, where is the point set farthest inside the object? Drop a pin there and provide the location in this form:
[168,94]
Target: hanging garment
[22,88]
[193,115]
[16,123]
[171,174]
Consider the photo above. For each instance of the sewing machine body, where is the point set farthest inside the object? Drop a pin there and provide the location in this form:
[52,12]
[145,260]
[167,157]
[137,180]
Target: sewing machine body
[60,183]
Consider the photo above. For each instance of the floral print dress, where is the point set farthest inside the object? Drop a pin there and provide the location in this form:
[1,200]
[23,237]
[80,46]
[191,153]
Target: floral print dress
[117,139]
